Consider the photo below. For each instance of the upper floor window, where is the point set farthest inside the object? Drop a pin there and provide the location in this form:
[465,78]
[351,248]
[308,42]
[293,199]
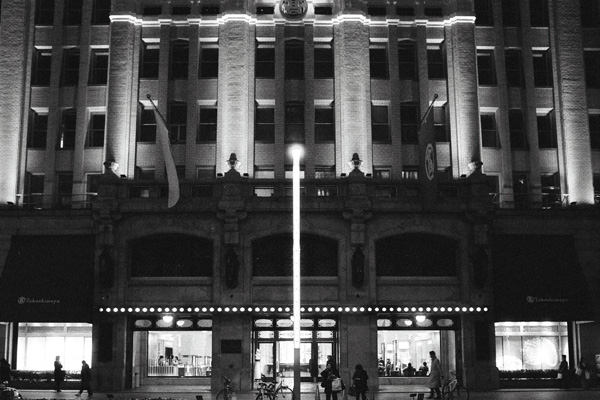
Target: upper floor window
[518,134]
[409,123]
[590,14]
[265,61]
[511,13]
[592,68]
[405,11]
[207,125]
[323,61]
[489,133]
[264,127]
[407,61]
[180,52]
[44,12]
[486,70]
[147,132]
[42,62]
[209,62]
[323,10]
[96,130]
[538,11]
[151,10]
[324,125]
[377,11]
[38,130]
[70,68]
[72,12]
[436,61]
[546,131]
[378,62]
[294,122]
[99,67]
[177,122]
[181,10]
[101,12]
[66,137]
[542,69]
[440,124]
[514,72]
[483,13]
[294,59]
[594,123]
[150,61]
[380,125]
[210,9]
[434,11]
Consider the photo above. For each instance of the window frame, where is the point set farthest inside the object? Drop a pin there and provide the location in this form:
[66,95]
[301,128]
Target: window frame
[42,67]
[378,61]
[484,15]
[436,61]
[294,123]
[407,70]
[96,133]
[542,68]
[207,124]
[101,12]
[324,124]
[512,59]
[511,13]
[409,123]
[37,138]
[547,137]
[179,60]
[68,130]
[324,63]
[150,61]
[594,128]
[177,121]
[44,13]
[489,133]
[486,68]
[294,59]
[99,67]
[264,129]
[148,129]
[72,12]
[517,130]
[209,62]
[380,129]
[265,61]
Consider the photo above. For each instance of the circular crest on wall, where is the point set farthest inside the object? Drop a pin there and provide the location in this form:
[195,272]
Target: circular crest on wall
[293,9]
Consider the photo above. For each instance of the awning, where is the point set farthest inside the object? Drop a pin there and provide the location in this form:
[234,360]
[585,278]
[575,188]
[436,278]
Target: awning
[539,278]
[48,279]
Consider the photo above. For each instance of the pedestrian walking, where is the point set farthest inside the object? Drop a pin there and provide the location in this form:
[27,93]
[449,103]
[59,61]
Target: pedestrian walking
[329,374]
[86,380]
[59,374]
[435,377]
[583,371]
[359,380]
[563,373]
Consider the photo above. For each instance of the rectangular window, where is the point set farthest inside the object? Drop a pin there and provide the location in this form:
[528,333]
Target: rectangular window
[264,127]
[99,67]
[207,125]
[42,62]
[66,137]
[323,10]
[150,61]
[489,133]
[324,125]
[180,52]
[551,197]
[70,68]
[180,353]
[177,122]
[265,61]
[382,172]
[434,11]
[261,10]
[209,63]
[542,69]
[594,121]
[539,16]
[590,13]
[324,67]
[376,11]
[486,70]
[147,131]
[294,123]
[180,10]
[592,68]
[511,13]
[410,172]
[483,13]
[101,12]
[378,62]
[210,9]
[294,59]
[546,131]
[64,189]
[34,190]
[409,123]
[44,12]
[518,134]
[151,11]
[380,125]
[514,74]
[72,12]
[324,171]
[405,11]
[440,125]
[38,130]
[96,130]
[407,61]
[436,63]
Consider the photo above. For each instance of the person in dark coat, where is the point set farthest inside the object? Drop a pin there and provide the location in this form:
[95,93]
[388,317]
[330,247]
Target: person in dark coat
[359,379]
[329,374]
[5,374]
[563,369]
[86,379]
[59,374]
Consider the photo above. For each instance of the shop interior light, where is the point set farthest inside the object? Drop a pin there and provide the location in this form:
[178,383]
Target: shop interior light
[180,323]
[408,322]
[420,318]
[167,319]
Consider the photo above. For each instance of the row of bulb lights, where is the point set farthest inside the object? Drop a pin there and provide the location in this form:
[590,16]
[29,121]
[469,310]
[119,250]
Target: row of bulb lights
[288,309]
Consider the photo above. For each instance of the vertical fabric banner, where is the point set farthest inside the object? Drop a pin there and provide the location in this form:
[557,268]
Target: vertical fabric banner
[428,158]
[165,146]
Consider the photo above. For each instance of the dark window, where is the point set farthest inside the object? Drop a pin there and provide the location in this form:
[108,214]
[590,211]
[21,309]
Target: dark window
[489,134]
[209,63]
[596,189]
[324,62]
[44,12]
[147,127]
[96,130]
[42,62]
[538,11]
[177,122]
[38,131]
[436,64]
[483,13]
[66,137]
[592,68]
[434,12]
[265,62]
[180,53]
[440,125]
[409,123]
[92,182]
[594,121]
[518,134]
[483,350]
[72,12]
[101,12]
[265,10]
[150,61]
[323,10]
[407,61]
[590,14]
[324,125]
[180,10]
[542,69]
[511,13]
[207,125]
[380,125]
[171,255]
[210,10]
[402,255]
[271,256]
[324,171]
[34,189]
[64,189]
[514,74]
[99,67]
[378,62]
[376,11]
[70,68]
[294,59]
[405,11]
[486,68]
[551,196]
[151,11]
[264,129]
[546,131]
[294,123]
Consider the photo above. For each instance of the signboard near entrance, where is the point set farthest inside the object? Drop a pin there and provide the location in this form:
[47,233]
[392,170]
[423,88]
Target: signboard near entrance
[231,346]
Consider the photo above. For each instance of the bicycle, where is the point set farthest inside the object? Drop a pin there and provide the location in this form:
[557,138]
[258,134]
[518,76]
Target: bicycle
[279,389]
[227,392]
[264,392]
[453,390]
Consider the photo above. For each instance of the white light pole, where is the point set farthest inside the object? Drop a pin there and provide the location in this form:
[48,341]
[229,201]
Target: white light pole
[296,153]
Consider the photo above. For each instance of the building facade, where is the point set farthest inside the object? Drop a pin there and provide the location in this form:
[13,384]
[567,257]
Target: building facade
[493,262]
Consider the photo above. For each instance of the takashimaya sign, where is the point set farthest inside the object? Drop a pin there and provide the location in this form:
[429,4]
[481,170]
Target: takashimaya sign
[29,300]
[293,9]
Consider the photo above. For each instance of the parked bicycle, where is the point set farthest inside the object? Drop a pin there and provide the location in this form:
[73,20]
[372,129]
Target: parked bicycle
[453,390]
[264,393]
[281,390]
[227,392]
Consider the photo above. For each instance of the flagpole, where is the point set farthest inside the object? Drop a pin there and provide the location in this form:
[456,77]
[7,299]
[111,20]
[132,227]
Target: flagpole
[435,96]
[157,110]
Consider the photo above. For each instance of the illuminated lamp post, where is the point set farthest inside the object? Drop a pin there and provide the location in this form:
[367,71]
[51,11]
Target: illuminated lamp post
[296,153]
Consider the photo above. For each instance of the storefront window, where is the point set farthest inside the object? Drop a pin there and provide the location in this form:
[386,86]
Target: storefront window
[40,343]
[395,349]
[176,353]
[530,345]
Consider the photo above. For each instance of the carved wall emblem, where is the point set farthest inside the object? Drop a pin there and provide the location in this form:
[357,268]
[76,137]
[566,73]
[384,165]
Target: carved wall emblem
[293,9]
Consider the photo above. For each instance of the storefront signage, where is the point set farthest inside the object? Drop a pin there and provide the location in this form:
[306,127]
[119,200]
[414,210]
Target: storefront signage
[29,300]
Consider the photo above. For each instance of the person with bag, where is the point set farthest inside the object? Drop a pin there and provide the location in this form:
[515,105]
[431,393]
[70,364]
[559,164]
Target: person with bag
[332,383]
[359,383]
[583,372]
[59,374]
[563,373]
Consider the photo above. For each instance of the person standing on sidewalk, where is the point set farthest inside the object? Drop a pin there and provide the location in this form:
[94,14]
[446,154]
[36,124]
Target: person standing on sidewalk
[86,379]
[435,377]
[59,374]
[359,379]
[563,373]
